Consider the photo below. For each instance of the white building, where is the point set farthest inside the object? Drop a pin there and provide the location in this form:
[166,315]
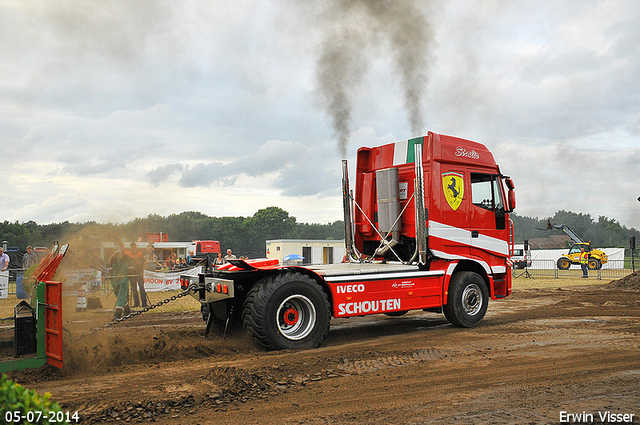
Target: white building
[312,251]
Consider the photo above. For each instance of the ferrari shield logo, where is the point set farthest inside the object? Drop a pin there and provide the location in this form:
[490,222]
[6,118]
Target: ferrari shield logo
[453,186]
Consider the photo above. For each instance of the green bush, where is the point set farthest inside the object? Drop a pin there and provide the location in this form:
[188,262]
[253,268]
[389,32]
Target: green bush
[17,402]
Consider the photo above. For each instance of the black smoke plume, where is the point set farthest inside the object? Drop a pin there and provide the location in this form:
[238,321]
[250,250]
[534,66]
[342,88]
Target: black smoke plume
[360,26]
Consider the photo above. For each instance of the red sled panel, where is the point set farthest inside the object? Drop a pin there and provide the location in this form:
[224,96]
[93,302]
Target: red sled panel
[53,323]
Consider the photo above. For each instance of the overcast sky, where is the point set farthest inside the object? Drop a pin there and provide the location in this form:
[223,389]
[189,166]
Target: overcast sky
[112,110]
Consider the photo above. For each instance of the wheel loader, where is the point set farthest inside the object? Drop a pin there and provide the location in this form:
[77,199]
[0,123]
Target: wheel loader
[596,257]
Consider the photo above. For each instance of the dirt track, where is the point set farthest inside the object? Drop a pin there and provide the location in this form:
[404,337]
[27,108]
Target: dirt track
[535,355]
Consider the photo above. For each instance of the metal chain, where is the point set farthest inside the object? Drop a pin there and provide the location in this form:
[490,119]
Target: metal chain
[137,313]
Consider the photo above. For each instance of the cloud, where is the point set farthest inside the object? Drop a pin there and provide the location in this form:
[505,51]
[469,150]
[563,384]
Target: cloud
[294,168]
[590,181]
[160,174]
[58,207]
[537,74]
[122,106]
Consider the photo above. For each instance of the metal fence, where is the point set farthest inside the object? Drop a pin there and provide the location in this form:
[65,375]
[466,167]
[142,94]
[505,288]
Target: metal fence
[15,276]
[613,269]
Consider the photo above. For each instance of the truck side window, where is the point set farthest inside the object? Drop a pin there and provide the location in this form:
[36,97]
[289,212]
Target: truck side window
[481,190]
[486,192]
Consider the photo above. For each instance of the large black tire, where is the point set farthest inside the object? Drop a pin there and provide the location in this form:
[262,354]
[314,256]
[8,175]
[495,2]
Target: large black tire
[564,263]
[287,311]
[467,300]
[594,264]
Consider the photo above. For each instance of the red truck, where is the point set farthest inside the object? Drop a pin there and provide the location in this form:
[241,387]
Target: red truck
[427,229]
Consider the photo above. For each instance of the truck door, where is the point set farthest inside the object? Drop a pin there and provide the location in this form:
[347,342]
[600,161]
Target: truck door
[487,213]
[449,217]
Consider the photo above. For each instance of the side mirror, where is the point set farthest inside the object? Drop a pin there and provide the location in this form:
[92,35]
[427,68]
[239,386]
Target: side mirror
[509,183]
[512,200]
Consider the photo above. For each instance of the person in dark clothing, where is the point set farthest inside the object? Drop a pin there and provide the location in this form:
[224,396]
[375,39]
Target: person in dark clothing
[29,258]
[119,263]
[136,273]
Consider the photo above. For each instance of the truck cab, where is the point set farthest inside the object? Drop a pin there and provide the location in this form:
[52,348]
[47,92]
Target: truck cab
[466,203]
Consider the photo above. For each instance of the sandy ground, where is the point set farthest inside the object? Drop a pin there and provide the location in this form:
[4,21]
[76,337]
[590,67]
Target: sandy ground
[537,354]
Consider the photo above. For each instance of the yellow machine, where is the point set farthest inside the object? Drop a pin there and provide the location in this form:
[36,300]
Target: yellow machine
[596,257]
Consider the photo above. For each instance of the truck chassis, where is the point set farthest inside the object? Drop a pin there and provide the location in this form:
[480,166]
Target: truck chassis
[291,307]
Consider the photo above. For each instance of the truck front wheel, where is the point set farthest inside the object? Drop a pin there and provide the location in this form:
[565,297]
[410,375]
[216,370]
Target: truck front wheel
[594,264]
[285,311]
[467,299]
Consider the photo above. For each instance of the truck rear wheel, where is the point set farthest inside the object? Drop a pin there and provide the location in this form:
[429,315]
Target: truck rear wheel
[285,311]
[564,263]
[594,264]
[467,299]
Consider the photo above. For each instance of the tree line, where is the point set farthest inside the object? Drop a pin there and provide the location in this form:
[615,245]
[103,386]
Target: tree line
[243,235]
[247,235]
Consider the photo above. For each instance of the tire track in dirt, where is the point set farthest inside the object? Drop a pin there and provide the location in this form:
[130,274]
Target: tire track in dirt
[425,387]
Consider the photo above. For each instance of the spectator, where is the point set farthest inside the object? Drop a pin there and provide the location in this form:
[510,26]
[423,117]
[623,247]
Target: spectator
[218,260]
[29,258]
[229,256]
[171,262]
[4,260]
[119,263]
[150,259]
[136,272]
[179,264]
